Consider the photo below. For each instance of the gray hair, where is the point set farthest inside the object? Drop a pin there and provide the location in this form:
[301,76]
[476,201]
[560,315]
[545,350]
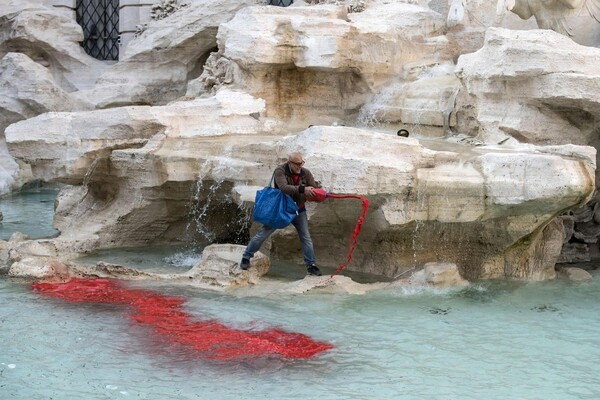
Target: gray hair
[296,155]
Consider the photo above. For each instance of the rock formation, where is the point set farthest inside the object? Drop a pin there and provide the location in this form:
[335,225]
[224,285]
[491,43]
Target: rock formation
[49,38]
[158,64]
[472,207]
[171,143]
[536,87]
[41,64]
[538,74]
[579,19]
[575,274]
[272,55]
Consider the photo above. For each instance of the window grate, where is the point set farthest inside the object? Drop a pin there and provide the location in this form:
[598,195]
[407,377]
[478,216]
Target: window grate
[280,3]
[99,20]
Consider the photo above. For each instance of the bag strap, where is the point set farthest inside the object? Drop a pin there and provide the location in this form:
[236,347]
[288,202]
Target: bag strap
[271,181]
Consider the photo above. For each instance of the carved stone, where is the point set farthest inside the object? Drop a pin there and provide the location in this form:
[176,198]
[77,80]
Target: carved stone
[158,64]
[578,19]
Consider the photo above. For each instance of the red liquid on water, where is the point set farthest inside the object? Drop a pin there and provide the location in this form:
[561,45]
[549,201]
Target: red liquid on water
[211,339]
[365,207]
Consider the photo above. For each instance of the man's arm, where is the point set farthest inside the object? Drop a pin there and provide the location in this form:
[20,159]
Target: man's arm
[281,182]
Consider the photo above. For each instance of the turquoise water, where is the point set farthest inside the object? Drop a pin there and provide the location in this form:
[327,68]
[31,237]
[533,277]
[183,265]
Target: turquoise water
[176,259]
[489,341]
[492,340]
[29,211]
[159,259]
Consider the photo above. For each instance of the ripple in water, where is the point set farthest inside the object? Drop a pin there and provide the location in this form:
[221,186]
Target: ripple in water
[493,343]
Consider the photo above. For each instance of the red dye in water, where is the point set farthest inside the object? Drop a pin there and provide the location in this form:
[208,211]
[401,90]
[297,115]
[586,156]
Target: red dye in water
[211,339]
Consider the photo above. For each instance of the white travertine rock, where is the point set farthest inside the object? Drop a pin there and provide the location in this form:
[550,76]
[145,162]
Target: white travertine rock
[473,206]
[468,20]
[33,248]
[58,145]
[316,64]
[438,274]
[39,268]
[575,274]
[329,284]
[18,237]
[28,89]
[533,258]
[579,19]
[489,209]
[49,38]
[218,270]
[158,64]
[11,177]
[425,101]
[536,86]
[67,146]
[5,261]
[219,266]
[456,13]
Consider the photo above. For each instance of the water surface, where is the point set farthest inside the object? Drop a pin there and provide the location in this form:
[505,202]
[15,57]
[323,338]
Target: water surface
[29,211]
[159,259]
[492,340]
[488,341]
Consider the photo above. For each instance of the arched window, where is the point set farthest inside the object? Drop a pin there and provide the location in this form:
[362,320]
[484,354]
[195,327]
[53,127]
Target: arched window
[100,22]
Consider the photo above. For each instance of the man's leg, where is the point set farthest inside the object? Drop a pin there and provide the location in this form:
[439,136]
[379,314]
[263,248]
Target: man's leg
[257,240]
[308,252]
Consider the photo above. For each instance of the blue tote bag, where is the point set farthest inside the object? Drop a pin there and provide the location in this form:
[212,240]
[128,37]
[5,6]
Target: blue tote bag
[274,208]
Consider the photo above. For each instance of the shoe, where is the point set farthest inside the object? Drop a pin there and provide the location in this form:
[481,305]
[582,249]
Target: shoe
[244,264]
[313,270]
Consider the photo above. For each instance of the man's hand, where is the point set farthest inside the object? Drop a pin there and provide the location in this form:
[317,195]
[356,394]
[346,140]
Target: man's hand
[308,192]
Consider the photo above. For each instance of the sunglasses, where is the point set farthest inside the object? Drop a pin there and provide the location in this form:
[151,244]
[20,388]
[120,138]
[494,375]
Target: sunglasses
[299,164]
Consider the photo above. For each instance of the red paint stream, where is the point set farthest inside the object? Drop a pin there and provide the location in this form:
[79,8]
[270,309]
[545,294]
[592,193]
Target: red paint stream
[211,339]
[321,195]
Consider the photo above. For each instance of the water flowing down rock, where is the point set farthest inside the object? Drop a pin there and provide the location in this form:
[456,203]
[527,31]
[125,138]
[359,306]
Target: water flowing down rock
[318,64]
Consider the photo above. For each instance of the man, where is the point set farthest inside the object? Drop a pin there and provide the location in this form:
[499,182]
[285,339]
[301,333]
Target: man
[291,178]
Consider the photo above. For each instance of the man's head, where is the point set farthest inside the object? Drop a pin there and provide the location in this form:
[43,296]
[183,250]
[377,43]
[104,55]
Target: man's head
[295,162]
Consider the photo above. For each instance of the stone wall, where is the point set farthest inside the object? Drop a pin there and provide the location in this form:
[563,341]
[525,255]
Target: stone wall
[133,15]
[65,6]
